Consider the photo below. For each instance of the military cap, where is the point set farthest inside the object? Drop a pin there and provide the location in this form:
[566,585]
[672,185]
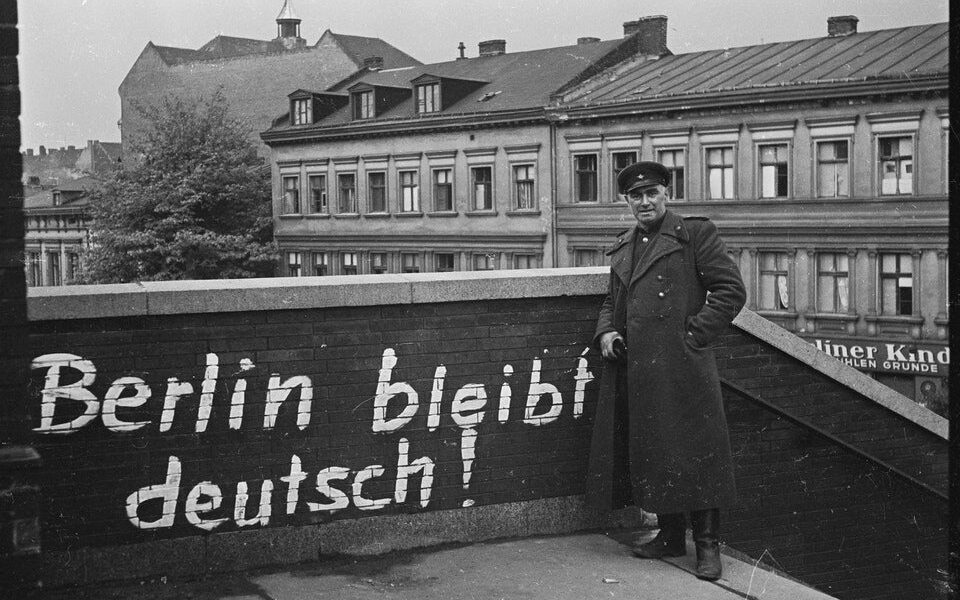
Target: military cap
[642,174]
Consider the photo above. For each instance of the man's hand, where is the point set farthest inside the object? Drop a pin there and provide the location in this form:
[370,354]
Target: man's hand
[606,344]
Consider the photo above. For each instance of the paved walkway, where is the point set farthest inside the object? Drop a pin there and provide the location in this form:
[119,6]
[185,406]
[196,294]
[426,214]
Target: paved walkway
[570,567]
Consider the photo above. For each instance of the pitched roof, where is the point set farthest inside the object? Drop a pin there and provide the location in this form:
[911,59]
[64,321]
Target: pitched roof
[504,82]
[359,48]
[889,54]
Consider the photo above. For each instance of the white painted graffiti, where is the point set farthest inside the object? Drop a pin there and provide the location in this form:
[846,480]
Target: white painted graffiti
[334,488]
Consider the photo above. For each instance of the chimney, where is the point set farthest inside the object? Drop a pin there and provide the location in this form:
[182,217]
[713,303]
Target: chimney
[651,34]
[461,48]
[373,63]
[587,40]
[29,151]
[493,47]
[841,26]
[72,148]
[43,150]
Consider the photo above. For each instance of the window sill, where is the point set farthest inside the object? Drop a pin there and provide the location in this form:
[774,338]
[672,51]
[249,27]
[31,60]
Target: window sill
[377,215]
[525,212]
[409,215]
[902,319]
[941,321]
[443,213]
[481,213]
[833,316]
[291,216]
[770,312]
[346,216]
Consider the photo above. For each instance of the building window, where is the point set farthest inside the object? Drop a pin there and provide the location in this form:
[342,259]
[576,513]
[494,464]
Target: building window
[896,165]
[773,170]
[34,269]
[675,162]
[896,284]
[774,271]
[73,266]
[428,98]
[347,193]
[525,261]
[302,112]
[621,160]
[321,263]
[377,191]
[348,263]
[378,262]
[293,264]
[53,268]
[409,191]
[318,194]
[410,263]
[833,283]
[585,178]
[482,179]
[586,258]
[443,190]
[833,169]
[484,262]
[445,261]
[720,173]
[291,195]
[363,105]
[524,189]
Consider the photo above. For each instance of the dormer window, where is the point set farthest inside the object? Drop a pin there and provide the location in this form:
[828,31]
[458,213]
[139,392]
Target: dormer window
[303,111]
[57,198]
[428,98]
[363,105]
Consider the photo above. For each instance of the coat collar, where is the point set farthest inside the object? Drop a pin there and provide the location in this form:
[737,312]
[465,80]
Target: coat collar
[673,233]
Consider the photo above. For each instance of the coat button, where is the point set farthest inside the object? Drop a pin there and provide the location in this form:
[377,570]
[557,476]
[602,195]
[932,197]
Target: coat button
[659,277]
[646,239]
[661,294]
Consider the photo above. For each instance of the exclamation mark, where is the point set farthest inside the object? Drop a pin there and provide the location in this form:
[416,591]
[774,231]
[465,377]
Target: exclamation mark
[468,441]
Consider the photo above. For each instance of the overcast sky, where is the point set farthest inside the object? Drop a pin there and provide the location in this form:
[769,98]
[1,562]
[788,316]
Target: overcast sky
[75,53]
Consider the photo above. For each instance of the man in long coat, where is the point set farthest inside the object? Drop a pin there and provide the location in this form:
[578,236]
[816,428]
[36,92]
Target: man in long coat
[660,436]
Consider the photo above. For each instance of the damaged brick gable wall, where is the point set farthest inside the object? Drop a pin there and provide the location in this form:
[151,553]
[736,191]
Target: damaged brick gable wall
[505,396]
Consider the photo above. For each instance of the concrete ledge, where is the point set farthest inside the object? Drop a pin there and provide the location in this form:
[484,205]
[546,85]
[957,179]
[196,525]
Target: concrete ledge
[807,353]
[242,550]
[282,293]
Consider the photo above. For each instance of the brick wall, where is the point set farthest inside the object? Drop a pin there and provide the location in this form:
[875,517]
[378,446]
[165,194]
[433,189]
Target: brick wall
[495,444]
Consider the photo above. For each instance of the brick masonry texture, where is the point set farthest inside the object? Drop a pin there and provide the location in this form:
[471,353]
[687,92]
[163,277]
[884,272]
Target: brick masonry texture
[816,510]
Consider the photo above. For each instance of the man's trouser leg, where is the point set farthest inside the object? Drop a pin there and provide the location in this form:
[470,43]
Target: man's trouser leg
[706,538]
[670,540]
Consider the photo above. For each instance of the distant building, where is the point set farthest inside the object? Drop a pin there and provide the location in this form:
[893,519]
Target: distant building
[56,231]
[823,161]
[254,75]
[50,167]
[436,167]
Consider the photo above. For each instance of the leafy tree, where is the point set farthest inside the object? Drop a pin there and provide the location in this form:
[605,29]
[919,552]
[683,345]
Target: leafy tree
[195,203]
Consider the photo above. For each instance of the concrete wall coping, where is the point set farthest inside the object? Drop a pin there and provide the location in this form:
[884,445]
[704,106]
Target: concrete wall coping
[281,293]
[810,355]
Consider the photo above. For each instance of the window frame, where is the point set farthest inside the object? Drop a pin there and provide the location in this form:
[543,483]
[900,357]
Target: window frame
[779,270]
[302,111]
[592,252]
[325,194]
[349,265]
[379,269]
[576,174]
[613,165]
[415,265]
[532,182]
[340,193]
[533,260]
[787,165]
[324,264]
[372,196]
[436,187]
[836,274]
[491,260]
[294,269]
[878,162]
[671,188]
[816,166]
[420,104]
[364,105]
[488,184]
[732,147]
[898,274]
[436,262]
[286,206]
[403,188]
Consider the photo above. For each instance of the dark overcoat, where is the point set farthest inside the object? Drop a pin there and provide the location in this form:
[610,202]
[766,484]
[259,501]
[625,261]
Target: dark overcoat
[660,435]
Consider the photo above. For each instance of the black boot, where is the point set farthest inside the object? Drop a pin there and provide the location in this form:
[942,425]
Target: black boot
[671,540]
[706,538]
